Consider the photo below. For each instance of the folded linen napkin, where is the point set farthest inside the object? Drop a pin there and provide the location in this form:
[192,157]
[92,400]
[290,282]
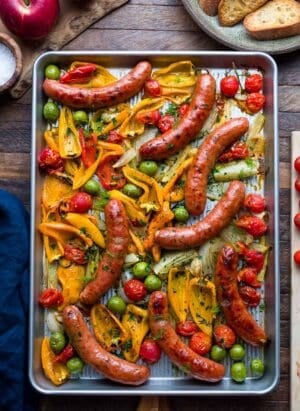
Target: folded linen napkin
[16,393]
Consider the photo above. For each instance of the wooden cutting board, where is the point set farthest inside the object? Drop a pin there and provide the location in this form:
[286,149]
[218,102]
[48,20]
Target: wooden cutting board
[295,283]
[75,17]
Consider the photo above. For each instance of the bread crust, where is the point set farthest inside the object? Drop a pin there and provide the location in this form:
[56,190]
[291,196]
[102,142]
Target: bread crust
[231,12]
[210,7]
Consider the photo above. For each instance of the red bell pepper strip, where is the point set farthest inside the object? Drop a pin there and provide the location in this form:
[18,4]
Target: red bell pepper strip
[88,146]
[110,178]
[81,74]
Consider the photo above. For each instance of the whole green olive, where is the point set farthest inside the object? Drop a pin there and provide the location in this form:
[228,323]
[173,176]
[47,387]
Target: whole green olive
[131,190]
[75,365]
[80,117]
[52,72]
[57,341]
[153,282]
[181,214]
[141,269]
[238,372]
[92,187]
[51,111]
[148,167]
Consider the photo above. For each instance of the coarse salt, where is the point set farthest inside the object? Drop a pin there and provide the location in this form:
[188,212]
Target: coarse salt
[7,64]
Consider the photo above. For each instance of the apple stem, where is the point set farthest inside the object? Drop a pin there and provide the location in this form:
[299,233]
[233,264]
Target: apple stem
[27,2]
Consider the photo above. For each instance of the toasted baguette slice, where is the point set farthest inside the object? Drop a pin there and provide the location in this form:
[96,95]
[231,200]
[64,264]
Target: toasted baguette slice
[209,7]
[232,11]
[275,20]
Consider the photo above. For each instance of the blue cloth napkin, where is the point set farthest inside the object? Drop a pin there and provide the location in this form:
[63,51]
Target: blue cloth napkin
[16,393]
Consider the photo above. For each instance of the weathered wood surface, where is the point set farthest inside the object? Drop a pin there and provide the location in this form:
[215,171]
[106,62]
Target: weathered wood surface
[163,25]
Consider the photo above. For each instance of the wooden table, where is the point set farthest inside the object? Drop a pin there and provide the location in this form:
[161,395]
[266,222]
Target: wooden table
[162,25]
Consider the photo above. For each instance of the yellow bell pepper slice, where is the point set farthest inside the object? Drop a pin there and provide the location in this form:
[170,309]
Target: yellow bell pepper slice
[131,127]
[72,166]
[54,191]
[135,322]
[132,209]
[178,289]
[160,220]
[115,115]
[137,242]
[202,301]
[108,330]
[85,225]
[100,78]
[53,248]
[179,172]
[61,232]
[51,138]
[71,279]
[156,252]
[68,138]
[56,372]
[83,175]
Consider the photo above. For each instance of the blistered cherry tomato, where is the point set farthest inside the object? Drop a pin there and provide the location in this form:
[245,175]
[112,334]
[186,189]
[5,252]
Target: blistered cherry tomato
[253,225]
[229,86]
[297,164]
[110,178]
[250,296]
[297,184]
[150,117]
[255,102]
[253,83]
[224,336]
[248,275]
[186,328]
[51,298]
[297,257]
[135,290]
[165,123]
[80,202]
[67,353]
[115,137]
[74,254]
[183,109]
[237,151]
[253,258]
[297,220]
[152,87]
[150,351]
[50,160]
[200,343]
[255,203]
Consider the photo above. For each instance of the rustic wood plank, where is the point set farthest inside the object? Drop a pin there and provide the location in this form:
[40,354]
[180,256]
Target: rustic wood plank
[289,98]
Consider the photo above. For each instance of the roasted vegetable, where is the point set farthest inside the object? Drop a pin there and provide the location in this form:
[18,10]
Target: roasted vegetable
[178,281]
[56,372]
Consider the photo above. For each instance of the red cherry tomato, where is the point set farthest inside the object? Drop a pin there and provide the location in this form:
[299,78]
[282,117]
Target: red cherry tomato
[200,343]
[255,102]
[254,83]
[297,220]
[250,296]
[224,336]
[297,164]
[297,257]
[80,203]
[51,297]
[74,254]
[255,203]
[110,178]
[237,151]
[153,88]
[88,147]
[253,258]
[297,184]
[67,353]
[135,290]
[115,137]
[50,160]
[229,86]
[248,275]
[253,225]
[150,117]
[150,351]
[183,109]
[165,123]
[186,328]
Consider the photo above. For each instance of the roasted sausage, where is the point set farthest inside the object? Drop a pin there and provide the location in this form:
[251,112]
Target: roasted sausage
[179,353]
[94,98]
[110,266]
[172,141]
[93,354]
[234,309]
[212,147]
[180,238]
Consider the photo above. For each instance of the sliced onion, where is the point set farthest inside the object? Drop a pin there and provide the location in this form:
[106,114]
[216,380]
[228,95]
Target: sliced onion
[53,322]
[146,136]
[131,259]
[241,97]
[125,158]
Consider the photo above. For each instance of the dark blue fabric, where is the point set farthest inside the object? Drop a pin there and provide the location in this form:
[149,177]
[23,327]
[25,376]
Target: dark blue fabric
[15,392]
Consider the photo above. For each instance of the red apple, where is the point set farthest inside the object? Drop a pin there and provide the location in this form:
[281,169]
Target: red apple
[29,19]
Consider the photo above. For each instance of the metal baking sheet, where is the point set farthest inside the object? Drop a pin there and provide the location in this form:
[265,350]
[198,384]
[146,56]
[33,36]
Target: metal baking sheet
[165,379]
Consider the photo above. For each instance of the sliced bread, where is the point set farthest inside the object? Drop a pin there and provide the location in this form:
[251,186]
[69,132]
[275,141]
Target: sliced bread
[231,12]
[209,7]
[275,20]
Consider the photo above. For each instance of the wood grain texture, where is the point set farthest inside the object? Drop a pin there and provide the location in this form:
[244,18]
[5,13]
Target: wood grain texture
[137,25]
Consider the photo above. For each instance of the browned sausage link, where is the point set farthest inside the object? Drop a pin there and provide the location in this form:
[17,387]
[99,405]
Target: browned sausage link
[180,238]
[179,353]
[234,309]
[207,154]
[93,354]
[189,126]
[110,266]
[106,96]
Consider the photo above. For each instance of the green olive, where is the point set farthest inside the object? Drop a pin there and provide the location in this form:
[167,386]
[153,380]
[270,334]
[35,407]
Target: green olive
[75,365]
[148,167]
[92,187]
[131,190]
[238,372]
[57,341]
[153,282]
[52,72]
[181,214]
[141,269]
[51,111]
[80,117]
[237,352]
[217,353]
[116,304]
[257,367]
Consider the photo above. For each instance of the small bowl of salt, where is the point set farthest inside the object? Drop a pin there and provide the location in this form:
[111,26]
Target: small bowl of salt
[10,62]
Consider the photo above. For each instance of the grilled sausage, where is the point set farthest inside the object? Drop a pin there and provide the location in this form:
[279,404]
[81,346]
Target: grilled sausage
[212,147]
[234,309]
[179,353]
[93,354]
[180,238]
[94,98]
[110,266]
[172,141]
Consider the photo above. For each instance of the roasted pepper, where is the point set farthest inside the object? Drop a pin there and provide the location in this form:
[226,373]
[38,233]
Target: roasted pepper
[87,75]
[84,224]
[68,138]
[104,121]
[56,372]
[178,281]
[71,279]
[134,212]
[160,220]
[61,232]
[54,191]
